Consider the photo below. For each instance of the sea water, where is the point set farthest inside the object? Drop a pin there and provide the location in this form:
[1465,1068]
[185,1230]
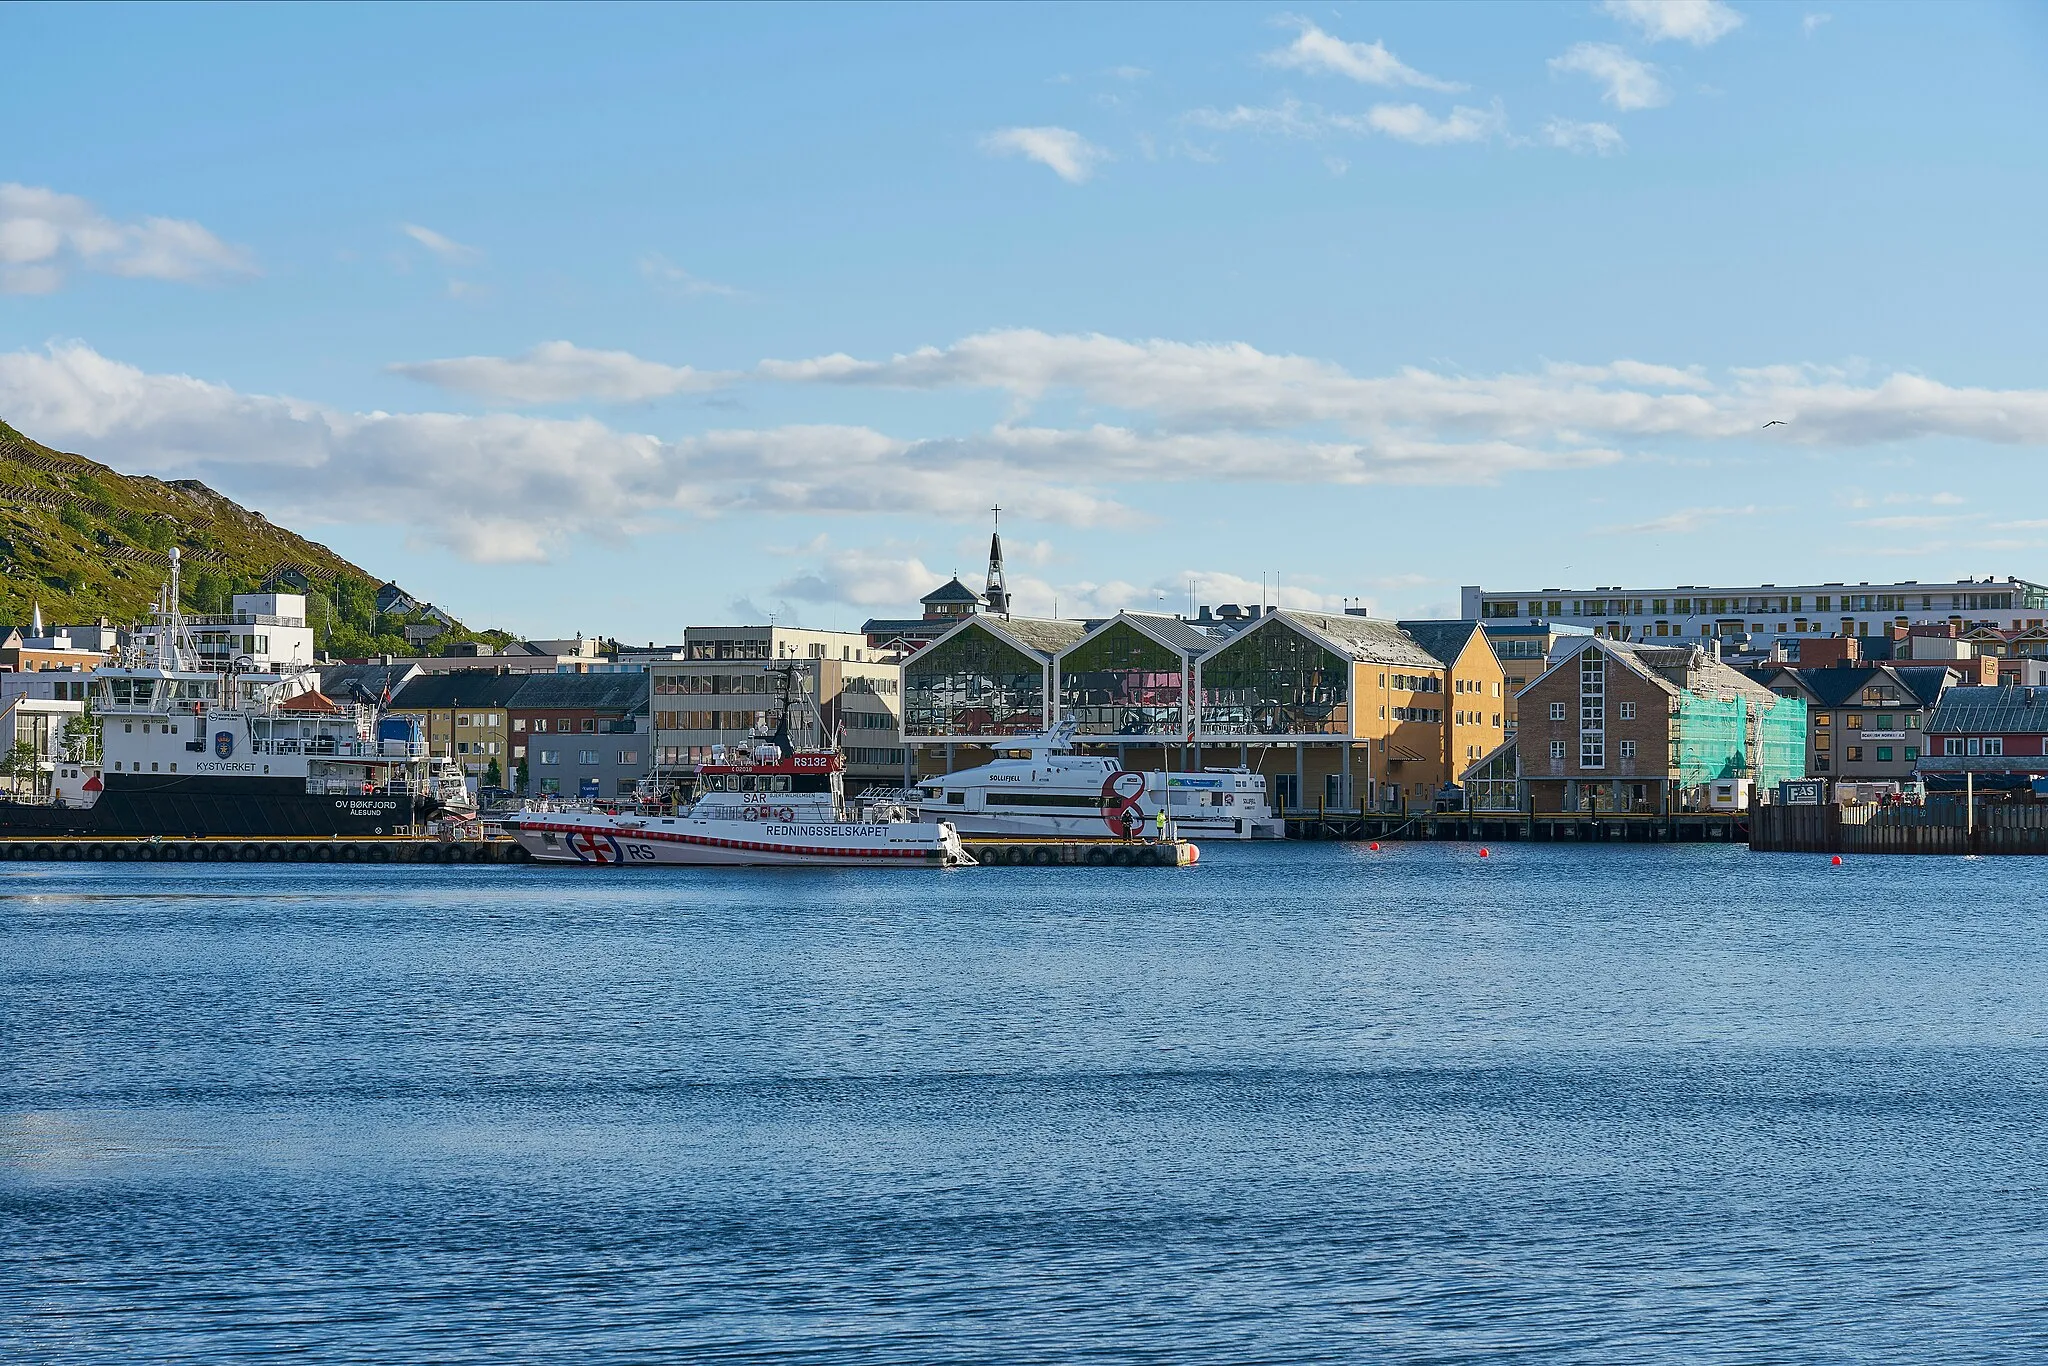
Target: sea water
[1299,1103]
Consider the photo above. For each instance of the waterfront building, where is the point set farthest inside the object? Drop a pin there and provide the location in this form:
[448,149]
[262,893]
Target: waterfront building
[1764,613]
[1523,647]
[983,679]
[1997,737]
[1617,726]
[579,734]
[36,711]
[465,717]
[34,649]
[1864,722]
[721,691]
[1336,710]
[1476,712]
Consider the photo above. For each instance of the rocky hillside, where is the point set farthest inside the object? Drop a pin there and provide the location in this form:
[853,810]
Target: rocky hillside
[84,541]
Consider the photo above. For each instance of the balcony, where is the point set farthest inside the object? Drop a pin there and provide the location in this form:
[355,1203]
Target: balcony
[245,619]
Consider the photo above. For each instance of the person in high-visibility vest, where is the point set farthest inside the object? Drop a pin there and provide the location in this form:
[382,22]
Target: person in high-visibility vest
[1162,824]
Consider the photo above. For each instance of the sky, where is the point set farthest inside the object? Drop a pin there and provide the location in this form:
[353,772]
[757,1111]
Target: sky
[620,320]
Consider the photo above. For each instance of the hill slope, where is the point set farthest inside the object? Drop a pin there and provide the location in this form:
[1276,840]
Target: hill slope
[84,541]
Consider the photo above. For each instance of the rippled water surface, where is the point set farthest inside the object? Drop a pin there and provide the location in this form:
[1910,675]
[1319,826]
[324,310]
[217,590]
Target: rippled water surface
[1302,1103]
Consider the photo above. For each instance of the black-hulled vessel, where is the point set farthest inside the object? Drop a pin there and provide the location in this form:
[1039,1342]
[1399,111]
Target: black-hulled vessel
[187,750]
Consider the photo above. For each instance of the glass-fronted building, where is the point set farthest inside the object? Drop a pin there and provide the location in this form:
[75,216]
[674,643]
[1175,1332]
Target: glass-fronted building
[1132,677]
[988,677]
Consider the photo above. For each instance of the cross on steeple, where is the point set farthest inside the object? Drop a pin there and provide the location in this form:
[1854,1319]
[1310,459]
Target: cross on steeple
[998,590]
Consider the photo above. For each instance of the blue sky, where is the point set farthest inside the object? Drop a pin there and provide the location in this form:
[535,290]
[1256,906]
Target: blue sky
[620,320]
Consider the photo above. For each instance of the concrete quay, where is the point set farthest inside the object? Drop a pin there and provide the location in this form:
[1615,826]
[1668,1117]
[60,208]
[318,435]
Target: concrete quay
[369,849]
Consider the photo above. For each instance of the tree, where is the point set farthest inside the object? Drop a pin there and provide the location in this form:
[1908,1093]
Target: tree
[22,762]
[520,776]
[493,775]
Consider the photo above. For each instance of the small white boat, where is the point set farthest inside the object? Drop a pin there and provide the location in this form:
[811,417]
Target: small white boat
[1037,786]
[769,805]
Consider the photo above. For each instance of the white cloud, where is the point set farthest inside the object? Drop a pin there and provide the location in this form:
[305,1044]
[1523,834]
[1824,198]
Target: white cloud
[1812,22]
[1598,139]
[1370,63]
[659,268]
[863,577]
[1413,123]
[1199,388]
[1685,521]
[1403,122]
[509,486]
[1064,152]
[561,372]
[1699,22]
[447,248]
[1628,82]
[44,235]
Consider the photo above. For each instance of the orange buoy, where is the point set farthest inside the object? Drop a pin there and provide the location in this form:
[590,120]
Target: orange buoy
[1375,846]
[1838,861]
[1483,853]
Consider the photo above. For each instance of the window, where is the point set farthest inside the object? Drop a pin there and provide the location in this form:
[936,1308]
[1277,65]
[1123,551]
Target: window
[1994,744]
[1854,720]
[1912,753]
[540,725]
[1824,720]
[1592,751]
[1820,763]
[1628,749]
[1557,711]
[586,757]
[549,757]
[589,724]
[1628,713]
[628,757]
[1853,753]
[1884,754]
[1557,749]
[1952,745]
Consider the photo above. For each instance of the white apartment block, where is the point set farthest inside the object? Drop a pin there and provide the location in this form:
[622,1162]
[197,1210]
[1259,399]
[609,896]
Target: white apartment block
[720,690]
[1766,612]
[267,629]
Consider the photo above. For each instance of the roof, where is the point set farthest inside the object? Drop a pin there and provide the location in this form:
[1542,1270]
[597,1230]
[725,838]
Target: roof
[1042,634]
[1175,632]
[1370,640]
[460,688]
[1674,669]
[1444,639]
[1833,686]
[581,692]
[2002,710]
[314,701]
[952,591]
[365,681]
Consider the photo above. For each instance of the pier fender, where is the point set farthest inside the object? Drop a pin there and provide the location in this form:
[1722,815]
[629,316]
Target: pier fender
[1122,858]
[1042,857]
[70,853]
[1099,857]
[301,854]
[380,854]
[325,853]
[251,852]
[98,853]
[350,854]
[45,851]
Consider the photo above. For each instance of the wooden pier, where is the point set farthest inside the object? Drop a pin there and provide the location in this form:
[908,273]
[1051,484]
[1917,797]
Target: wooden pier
[1942,826]
[1685,827]
[995,851]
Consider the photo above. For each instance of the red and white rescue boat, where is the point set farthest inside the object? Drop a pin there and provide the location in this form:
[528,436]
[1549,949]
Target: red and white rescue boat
[773,807]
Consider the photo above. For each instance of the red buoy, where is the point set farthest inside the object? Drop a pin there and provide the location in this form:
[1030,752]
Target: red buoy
[1838,861]
[1482,852]
[1375,846]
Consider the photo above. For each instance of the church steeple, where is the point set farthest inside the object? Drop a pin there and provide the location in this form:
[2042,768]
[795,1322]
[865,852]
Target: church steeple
[998,591]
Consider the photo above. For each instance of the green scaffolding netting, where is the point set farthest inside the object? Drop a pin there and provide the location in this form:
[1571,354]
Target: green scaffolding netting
[1712,736]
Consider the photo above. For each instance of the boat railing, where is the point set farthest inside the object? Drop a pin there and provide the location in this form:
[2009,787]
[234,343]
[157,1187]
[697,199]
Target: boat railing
[343,749]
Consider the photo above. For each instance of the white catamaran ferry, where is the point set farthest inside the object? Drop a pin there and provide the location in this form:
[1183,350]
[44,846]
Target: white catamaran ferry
[183,749]
[769,804]
[1036,785]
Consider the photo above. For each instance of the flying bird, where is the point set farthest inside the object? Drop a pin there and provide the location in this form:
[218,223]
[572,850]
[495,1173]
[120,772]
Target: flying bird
[1774,422]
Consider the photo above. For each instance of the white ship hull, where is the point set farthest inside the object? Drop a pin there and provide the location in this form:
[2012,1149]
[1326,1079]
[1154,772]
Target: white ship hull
[593,838]
[1090,826]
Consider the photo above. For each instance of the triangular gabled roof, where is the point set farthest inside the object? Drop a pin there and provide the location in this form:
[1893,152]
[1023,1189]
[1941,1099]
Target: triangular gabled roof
[314,701]
[1037,636]
[1172,632]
